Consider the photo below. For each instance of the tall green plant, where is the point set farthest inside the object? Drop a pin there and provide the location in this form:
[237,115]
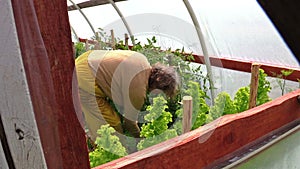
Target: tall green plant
[108,148]
[241,99]
[200,108]
[156,129]
[242,96]
[264,88]
[281,79]
[155,54]
[79,49]
[223,105]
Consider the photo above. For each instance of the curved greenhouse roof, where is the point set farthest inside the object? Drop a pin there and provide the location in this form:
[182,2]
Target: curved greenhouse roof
[233,29]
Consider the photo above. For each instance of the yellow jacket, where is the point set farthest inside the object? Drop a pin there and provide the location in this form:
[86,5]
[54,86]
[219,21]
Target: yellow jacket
[120,75]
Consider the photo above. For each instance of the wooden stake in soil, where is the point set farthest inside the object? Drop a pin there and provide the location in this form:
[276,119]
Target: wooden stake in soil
[254,84]
[187,113]
[112,39]
[126,40]
[87,46]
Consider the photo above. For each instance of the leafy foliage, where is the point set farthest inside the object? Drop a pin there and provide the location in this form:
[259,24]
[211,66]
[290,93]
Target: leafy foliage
[108,148]
[177,59]
[79,49]
[156,129]
[281,79]
[150,141]
[161,114]
[200,108]
[223,105]
[264,88]
[241,99]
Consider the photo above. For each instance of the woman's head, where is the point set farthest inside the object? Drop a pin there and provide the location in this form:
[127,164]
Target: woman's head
[164,78]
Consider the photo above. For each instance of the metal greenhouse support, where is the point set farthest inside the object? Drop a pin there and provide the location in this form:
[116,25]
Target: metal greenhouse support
[76,36]
[88,4]
[87,20]
[204,48]
[123,20]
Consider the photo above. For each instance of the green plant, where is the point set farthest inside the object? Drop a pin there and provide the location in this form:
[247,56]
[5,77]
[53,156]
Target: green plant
[156,129]
[223,105]
[180,60]
[108,147]
[264,88]
[242,96]
[281,79]
[155,54]
[79,49]
[241,99]
[200,108]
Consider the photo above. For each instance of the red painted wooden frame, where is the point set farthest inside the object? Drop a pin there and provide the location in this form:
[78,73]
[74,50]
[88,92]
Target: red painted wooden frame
[45,41]
[245,66]
[216,142]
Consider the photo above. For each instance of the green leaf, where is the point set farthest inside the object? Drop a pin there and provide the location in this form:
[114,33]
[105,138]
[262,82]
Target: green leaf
[286,72]
[156,130]
[108,148]
[223,105]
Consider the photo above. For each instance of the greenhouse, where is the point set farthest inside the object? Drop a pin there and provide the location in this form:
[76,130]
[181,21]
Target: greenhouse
[149,84]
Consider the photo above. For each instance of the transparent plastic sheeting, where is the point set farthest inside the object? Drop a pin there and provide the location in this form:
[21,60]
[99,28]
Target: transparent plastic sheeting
[233,29]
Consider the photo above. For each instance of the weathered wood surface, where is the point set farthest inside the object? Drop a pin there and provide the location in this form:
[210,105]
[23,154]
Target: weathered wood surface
[254,84]
[20,139]
[187,102]
[46,48]
[3,162]
[215,142]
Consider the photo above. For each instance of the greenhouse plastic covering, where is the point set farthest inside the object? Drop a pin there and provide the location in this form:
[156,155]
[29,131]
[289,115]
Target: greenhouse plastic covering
[232,29]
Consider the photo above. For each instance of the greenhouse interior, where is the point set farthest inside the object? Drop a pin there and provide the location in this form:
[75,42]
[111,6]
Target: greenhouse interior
[229,95]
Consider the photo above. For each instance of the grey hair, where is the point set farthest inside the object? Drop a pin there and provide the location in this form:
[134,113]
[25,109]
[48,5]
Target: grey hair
[164,78]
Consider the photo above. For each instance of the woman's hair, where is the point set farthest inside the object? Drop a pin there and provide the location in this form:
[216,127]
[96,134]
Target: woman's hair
[164,78]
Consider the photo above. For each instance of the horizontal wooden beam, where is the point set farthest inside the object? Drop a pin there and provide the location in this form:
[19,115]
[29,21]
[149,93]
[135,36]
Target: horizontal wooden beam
[211,143]
[245,66]
[91,3]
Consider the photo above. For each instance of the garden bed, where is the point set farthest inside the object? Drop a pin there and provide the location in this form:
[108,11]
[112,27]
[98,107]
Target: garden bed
[218,141]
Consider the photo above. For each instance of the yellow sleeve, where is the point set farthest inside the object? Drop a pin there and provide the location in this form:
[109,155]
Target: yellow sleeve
[137,95]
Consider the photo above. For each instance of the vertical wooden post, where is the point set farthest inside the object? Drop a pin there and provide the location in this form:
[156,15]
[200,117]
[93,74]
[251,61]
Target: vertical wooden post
[87,46]
[187,113]
[97,45]
[74,50]
[126,39]
[46,48]
[254,84]
[113,45]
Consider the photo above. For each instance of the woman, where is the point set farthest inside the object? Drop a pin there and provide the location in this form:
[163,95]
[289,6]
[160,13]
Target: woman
[123,77]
